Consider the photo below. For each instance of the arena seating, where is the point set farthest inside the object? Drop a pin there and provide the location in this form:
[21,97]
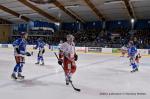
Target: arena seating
[102,34]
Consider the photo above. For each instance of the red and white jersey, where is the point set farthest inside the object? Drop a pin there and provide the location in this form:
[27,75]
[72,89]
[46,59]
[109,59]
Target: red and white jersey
[124,48]
[68,50]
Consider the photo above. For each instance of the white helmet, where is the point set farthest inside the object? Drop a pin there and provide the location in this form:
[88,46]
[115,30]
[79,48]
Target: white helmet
[70,37]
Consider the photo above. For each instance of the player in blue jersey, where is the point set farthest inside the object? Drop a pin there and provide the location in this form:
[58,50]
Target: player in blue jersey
[132,54]
[40,45]
[19,53]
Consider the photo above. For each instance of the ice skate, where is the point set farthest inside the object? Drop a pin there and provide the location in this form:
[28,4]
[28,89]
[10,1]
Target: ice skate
[20,76]
[136,69]
[37,63]
[42,64]
[13,76]
[67,82]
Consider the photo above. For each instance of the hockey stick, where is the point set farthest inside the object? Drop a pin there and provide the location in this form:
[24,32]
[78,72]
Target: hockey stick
[67,76]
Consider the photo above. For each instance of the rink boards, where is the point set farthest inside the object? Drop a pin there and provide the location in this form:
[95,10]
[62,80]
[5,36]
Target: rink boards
[96,50]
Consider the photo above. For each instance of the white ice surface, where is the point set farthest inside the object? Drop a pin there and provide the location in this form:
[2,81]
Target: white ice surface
[96,74]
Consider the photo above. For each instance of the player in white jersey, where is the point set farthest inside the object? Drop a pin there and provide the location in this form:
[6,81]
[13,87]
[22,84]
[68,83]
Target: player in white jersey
[137,59]
[124,50]
[67,57]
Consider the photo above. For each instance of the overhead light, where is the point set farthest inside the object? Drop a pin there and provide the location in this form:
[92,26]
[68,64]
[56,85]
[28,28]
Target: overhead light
[119,22]
[42,1]
[52,8]
[57,23]
[132,20]
[67,6]
[72,6]
[113,2]
[94,23]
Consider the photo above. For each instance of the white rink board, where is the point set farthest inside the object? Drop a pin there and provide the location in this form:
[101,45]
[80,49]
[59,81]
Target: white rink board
[78,49]
[106,50]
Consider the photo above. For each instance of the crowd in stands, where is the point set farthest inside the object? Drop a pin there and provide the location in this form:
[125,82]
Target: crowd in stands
[116,34]
[142,38]
[100,38]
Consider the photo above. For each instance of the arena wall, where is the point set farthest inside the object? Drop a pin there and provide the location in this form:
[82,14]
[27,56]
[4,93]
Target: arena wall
[82,49]
[5,31]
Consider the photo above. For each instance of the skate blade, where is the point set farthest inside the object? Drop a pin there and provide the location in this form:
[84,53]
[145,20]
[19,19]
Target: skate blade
[134,71]
[20,78]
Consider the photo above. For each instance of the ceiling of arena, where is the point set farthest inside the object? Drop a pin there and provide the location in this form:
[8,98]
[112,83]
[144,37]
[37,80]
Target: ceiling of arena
[18,11]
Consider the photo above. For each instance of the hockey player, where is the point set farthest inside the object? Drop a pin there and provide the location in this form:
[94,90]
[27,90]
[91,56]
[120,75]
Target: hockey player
[132,53]
[40,44]
[123,50]
[19,53]
[137,59]
[68,56]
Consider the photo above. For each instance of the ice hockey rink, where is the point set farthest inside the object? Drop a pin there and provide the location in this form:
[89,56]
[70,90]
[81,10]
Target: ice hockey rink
[99,76]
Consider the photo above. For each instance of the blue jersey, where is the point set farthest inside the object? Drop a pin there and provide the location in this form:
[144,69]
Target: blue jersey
[20,44]
[132,51]
[40,44]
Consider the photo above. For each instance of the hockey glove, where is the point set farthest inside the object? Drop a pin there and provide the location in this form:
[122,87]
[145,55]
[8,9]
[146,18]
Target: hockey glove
[17,50]
[75,57]
[60,62]
[28,54]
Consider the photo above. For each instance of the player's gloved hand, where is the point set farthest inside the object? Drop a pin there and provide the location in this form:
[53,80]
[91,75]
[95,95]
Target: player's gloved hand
[43,51]
[139,56]
[17,50]
[75,57]
[28,54]
[60,61]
